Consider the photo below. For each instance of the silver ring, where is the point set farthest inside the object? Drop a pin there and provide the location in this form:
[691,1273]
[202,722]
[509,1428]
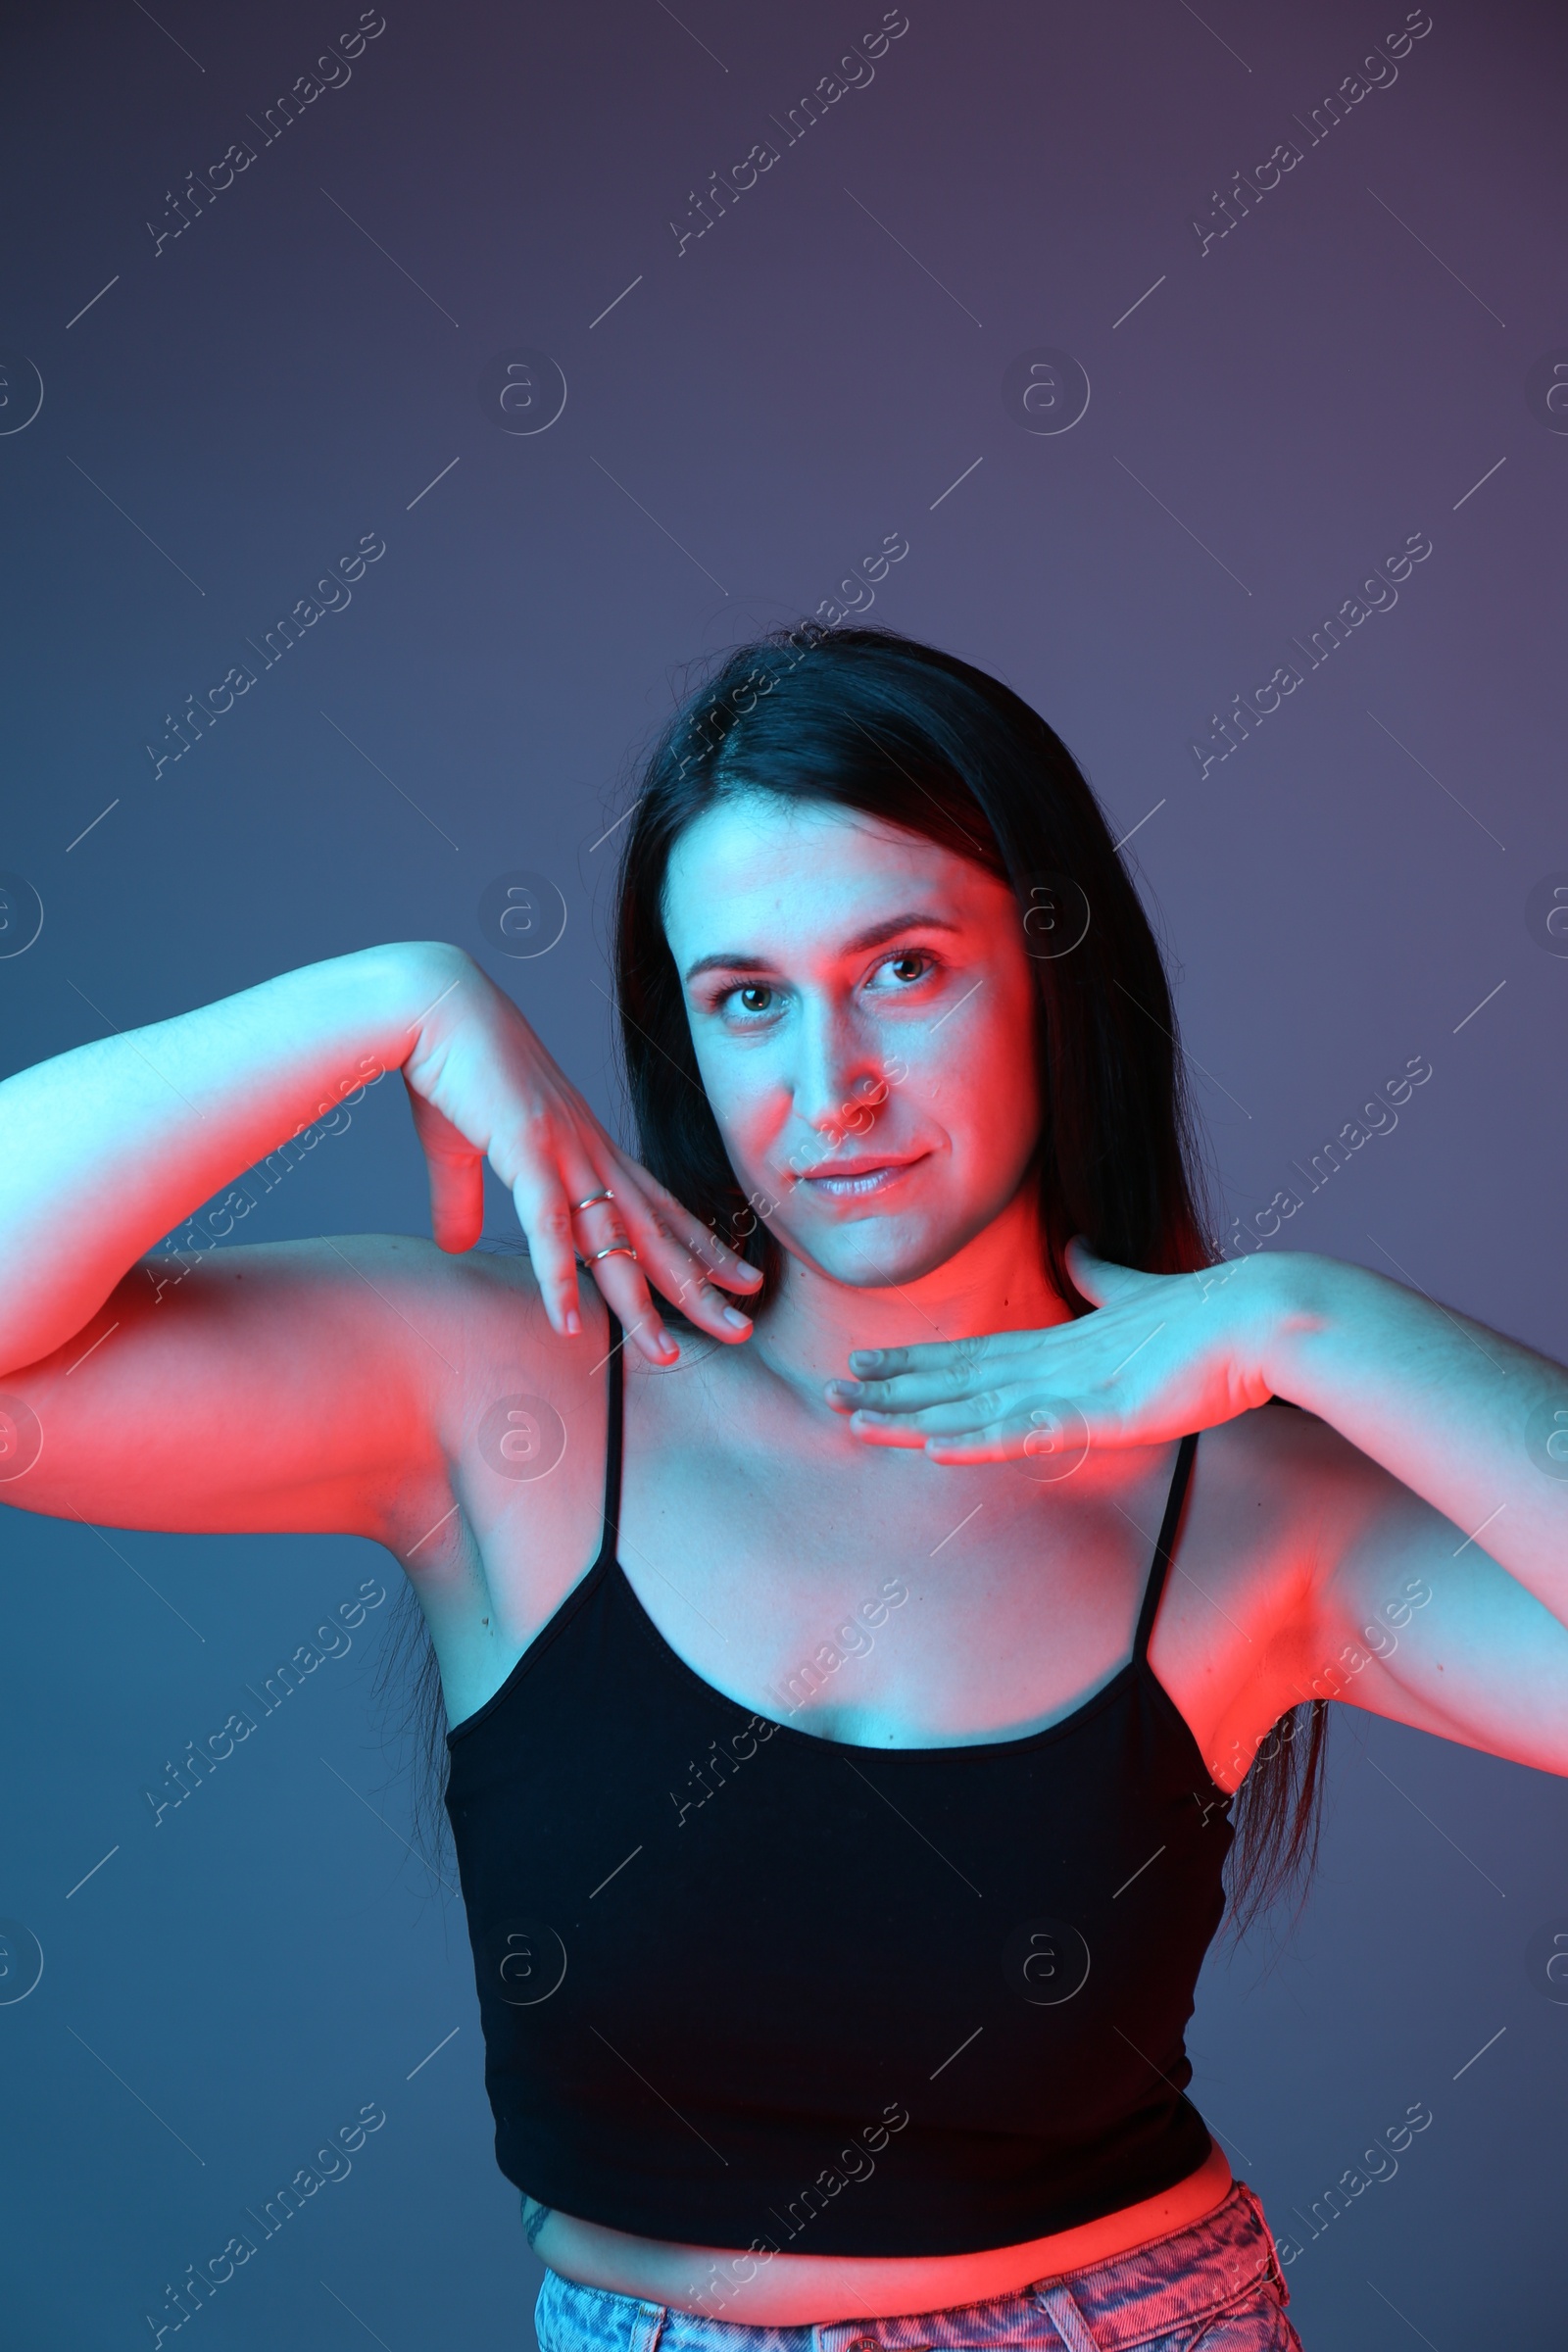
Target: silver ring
[616,1250]
[606,1195]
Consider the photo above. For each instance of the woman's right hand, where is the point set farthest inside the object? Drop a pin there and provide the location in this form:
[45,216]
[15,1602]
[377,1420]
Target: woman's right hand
[482,1087]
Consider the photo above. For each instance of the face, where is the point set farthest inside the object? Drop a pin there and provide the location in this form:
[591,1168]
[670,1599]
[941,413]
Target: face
[863,1007]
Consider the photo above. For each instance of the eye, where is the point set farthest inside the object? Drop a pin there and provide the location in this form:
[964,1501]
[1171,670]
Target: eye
[907,966]
[754,998]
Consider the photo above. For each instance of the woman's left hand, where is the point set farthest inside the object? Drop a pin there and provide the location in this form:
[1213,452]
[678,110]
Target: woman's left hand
[1162,1355]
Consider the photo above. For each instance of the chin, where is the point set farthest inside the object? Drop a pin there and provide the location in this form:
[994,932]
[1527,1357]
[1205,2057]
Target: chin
[873,1254]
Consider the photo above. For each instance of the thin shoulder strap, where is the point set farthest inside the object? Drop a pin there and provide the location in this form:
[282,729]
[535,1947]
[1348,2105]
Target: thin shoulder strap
[1183,1471]
[618,1416]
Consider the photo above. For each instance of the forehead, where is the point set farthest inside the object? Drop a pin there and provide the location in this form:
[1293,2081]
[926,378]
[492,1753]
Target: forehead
[759,869]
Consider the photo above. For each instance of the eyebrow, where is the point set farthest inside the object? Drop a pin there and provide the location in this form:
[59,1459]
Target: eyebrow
[877,936]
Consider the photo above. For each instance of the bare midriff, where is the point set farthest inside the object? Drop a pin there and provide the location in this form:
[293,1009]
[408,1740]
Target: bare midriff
[792,2290]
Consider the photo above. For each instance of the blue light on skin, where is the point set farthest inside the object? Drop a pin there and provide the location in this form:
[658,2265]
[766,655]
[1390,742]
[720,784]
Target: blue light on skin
[821,951]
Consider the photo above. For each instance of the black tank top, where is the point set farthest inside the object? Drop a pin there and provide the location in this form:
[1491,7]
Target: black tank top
[744,1986]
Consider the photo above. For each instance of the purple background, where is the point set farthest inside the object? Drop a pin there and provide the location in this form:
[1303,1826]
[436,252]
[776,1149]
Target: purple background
[750,420]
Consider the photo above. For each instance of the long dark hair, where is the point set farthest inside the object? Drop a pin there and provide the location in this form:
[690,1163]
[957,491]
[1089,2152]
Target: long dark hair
[867,721]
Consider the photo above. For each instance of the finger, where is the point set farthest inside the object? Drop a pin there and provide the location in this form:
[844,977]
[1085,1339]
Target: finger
[985,1446]
[936,1355]
[621,1286]
[725,1264]
[964,1416]
[544,1213]
[456,1171]
[1100,1279]
[711,1308]
[879,1362]
[867,1430]
[714,1260]
[997,1442]
[1011,1441]
[456,1199]
[436,1131]
[907,1392]
[670,1259]
[606,1238]
[937,1369]
[1060,1434]
[1083,1266]
[643,1196]
[1051,1439]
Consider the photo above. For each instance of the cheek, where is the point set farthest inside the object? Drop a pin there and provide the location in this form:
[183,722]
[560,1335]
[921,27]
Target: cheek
[985,1086]
[748,1105]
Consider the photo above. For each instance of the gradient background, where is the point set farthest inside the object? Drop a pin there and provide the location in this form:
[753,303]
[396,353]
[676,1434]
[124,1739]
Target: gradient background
[750,421]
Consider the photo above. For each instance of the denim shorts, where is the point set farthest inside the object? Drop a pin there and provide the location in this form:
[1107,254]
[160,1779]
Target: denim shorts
[1214,2286]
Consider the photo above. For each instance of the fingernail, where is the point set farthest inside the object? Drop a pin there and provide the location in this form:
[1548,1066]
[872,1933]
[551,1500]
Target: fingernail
[574,1323]
[667,1344]
[736,1320]
[865,1356]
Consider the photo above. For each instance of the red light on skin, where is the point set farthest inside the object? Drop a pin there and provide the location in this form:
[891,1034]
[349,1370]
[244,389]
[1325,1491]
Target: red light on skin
[821,951]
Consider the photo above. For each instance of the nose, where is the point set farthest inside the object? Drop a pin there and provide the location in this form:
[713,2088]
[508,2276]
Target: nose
[839,1080]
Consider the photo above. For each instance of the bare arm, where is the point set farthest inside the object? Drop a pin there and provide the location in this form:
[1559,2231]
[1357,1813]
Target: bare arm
[1425,1573]
[293,1385]
[107,1147]
[1440,1597]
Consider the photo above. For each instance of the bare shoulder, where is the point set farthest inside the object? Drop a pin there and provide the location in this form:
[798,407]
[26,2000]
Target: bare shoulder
[1284,1480]
[494,1533]
[520,1412]
[1277,1498]
[321,1385]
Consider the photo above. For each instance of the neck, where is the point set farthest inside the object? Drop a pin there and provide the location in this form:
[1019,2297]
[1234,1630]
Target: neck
[997,1282]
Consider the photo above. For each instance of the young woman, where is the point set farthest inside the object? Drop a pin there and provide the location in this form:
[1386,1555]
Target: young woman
[847,1696]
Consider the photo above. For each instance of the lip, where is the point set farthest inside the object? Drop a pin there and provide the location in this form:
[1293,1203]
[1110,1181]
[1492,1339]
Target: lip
[858,1179]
